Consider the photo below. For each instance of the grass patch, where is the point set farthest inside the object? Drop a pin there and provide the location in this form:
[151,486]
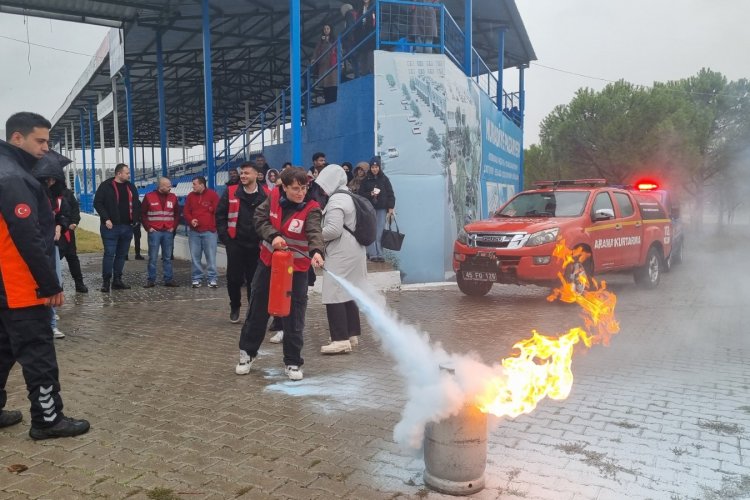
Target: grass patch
[625,425]
[88,242]
[607,467]
[162,494]
[720,427]
[242,491]
[731,488]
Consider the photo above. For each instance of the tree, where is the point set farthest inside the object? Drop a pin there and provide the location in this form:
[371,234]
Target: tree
[391,81]
[415,110]
[434,140]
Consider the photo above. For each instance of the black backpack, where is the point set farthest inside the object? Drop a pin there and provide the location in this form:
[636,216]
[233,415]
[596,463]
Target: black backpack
[366,230]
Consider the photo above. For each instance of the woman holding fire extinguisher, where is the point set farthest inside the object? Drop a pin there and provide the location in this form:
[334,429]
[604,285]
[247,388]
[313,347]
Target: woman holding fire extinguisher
[345,258]
[287,220]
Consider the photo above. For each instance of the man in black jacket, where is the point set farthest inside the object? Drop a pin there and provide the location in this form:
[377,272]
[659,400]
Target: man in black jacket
[234,223]
[27,254]
[117,203]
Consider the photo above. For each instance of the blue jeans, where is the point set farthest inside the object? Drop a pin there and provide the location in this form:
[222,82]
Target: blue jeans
[374,249]
[203,243]
[163,239]
[116,245]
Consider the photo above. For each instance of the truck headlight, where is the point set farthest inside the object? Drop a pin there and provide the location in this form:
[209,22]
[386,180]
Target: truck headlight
[463,237]
[542,237]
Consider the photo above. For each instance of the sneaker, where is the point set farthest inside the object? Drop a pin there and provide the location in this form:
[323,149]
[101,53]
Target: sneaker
[57,333]
[234,315]
[66,427]
[213,284]
[196,284]
[57,317]
[10,417]
[149,284]
[354,340]
[294,372]
[337,347]
[244,365]
[171,284]
[278,338]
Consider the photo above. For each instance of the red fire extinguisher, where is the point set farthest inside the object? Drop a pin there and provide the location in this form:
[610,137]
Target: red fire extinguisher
[280,292]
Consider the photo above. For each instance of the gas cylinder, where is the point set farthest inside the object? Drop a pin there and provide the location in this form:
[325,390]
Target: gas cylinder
[280,290]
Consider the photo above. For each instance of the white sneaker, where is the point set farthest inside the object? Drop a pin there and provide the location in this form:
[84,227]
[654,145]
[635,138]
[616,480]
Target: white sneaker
[278,338]
[246,362]
[56,333]
[294,372]
[57,317]
[213,284]
[354,340]
[337,347]
[196,284]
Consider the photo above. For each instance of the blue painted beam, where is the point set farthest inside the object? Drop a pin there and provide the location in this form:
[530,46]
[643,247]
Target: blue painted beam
[296,84]
[83,157]
[162,104]
[500,66]
[91,136]
[129,110]
[208,96]
[468,39]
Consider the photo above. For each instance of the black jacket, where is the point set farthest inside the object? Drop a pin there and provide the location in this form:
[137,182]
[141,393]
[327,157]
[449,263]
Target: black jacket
[27,230]
[385,198]
[246,235]
[74,208]
[105,202]
[51,167]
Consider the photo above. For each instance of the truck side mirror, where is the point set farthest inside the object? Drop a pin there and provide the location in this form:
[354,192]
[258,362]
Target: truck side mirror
[604,214]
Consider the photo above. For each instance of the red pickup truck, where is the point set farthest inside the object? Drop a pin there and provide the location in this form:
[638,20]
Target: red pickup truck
[621,229]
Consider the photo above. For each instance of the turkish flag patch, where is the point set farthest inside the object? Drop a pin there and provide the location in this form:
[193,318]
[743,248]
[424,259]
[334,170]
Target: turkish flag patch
[22,210]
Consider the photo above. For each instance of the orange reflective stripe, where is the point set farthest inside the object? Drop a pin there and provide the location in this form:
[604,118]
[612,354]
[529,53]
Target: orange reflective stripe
[20,285]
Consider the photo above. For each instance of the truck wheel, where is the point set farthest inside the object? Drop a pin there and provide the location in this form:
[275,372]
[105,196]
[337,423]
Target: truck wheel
[576,270]
[473,288]
[649,274]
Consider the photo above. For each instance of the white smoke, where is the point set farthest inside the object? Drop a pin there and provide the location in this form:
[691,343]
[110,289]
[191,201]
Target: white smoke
[433,394]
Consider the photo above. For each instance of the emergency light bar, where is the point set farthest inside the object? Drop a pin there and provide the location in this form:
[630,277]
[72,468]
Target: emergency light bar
[572,182]
[646,185]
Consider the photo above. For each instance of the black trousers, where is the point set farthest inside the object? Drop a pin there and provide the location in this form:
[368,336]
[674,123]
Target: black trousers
[26,338]
[69,251]
[241,264]
[254,328]
[343,320]
[137,238]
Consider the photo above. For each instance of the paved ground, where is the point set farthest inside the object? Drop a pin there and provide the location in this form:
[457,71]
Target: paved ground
[661,413]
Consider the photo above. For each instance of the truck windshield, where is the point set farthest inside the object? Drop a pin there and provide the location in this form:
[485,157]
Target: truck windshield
[545,204]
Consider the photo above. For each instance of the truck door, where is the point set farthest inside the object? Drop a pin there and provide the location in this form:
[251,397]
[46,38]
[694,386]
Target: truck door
[603,231]
[629,238]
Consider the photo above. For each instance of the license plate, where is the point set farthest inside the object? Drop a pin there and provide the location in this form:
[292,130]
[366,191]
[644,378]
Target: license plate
[479,276]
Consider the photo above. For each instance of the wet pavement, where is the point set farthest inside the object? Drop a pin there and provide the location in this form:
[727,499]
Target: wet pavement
[663,412]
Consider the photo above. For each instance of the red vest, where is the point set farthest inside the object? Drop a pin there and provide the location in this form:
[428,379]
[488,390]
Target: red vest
[233,211]
[292,230]
[160,217]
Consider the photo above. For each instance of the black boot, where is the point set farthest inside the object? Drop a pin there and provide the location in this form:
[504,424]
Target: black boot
[117,284]
[80,287]
[105,286]
[66,427]
[10,417]
[138,256]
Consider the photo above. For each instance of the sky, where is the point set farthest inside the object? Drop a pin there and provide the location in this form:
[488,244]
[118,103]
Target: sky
[578,43]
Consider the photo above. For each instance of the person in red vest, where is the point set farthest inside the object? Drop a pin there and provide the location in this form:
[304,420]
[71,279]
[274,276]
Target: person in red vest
[200,217]
[236,228]
[288,219]
[160,215]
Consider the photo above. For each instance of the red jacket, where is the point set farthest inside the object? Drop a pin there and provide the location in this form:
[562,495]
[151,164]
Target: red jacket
[160,211]
[203,208]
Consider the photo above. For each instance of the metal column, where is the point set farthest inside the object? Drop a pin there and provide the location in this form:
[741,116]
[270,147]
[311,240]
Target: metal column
[101,143]
[296,94]
[521,107]
[162,104]
[468,41]
[91,136]
[129,110]
[208,96]
[500,66]
[83,157]
[115,114]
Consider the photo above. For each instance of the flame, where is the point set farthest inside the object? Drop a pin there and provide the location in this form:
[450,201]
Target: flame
[542,366]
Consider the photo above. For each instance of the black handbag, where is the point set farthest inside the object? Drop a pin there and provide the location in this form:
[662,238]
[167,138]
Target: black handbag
[392,240]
